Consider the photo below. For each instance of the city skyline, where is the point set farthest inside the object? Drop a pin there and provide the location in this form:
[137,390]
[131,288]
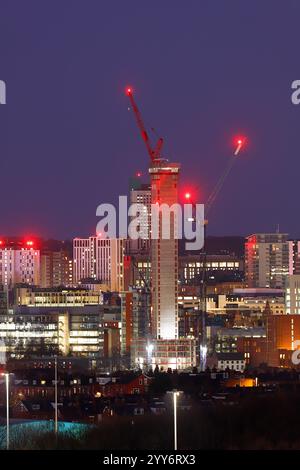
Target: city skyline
[149,243]
[67,115]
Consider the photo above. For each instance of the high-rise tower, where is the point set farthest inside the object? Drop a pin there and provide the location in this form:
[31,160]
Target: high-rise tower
[140,193]
[163,347]
[164,253]
[267,260]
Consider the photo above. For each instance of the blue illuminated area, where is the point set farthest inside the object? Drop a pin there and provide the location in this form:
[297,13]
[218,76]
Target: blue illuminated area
[19,431]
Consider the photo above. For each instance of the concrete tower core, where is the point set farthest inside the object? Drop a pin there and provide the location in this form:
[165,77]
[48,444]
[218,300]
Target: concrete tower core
[164,253]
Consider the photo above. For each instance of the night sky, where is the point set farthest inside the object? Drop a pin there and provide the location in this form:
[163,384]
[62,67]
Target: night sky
[202,70]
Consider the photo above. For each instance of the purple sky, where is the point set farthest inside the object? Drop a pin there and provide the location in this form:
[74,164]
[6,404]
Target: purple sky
[202,71]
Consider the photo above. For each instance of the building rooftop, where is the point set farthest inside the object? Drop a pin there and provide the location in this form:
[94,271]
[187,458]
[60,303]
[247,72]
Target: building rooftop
[259,291]
[230,356]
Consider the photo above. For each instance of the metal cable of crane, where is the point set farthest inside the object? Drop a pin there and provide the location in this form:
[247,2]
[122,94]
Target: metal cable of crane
[213,196]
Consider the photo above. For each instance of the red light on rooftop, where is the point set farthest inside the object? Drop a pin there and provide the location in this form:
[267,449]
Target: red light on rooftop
[29,243]
[128,91]
[1,242]
[187,196]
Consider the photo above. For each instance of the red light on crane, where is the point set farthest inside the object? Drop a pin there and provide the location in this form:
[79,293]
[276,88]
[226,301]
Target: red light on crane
[128,91]
[239,142]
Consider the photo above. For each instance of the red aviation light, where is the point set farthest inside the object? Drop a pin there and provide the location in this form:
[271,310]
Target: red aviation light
[239,142]
[128,91]
[189,193]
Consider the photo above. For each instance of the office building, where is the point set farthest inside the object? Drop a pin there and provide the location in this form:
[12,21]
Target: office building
[141,194]
[248,299]
[166,354]
[282,333]
[218,268]
[135,318]
[56,269]
[49,330]
[226,340]
[294,256]
[55,297]
[292,296]
[275,347]
[139,272]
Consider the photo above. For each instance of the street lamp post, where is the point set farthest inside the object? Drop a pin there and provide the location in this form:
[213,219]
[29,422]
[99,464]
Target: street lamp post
[55,395]
[7,409]
[175,394]
[203,355]
[6,375]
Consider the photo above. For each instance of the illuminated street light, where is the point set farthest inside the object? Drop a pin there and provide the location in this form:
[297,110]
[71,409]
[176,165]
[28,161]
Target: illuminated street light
[175,394]
[56,396]
[203,355]
[149,349]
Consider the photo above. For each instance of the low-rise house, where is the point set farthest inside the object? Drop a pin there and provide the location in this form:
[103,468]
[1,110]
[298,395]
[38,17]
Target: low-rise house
[126,384]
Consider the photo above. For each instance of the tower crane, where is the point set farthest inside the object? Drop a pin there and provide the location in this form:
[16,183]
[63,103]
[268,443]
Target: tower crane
[155,159]
[240,141]
[214,194]
[210,202]
[154,153]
